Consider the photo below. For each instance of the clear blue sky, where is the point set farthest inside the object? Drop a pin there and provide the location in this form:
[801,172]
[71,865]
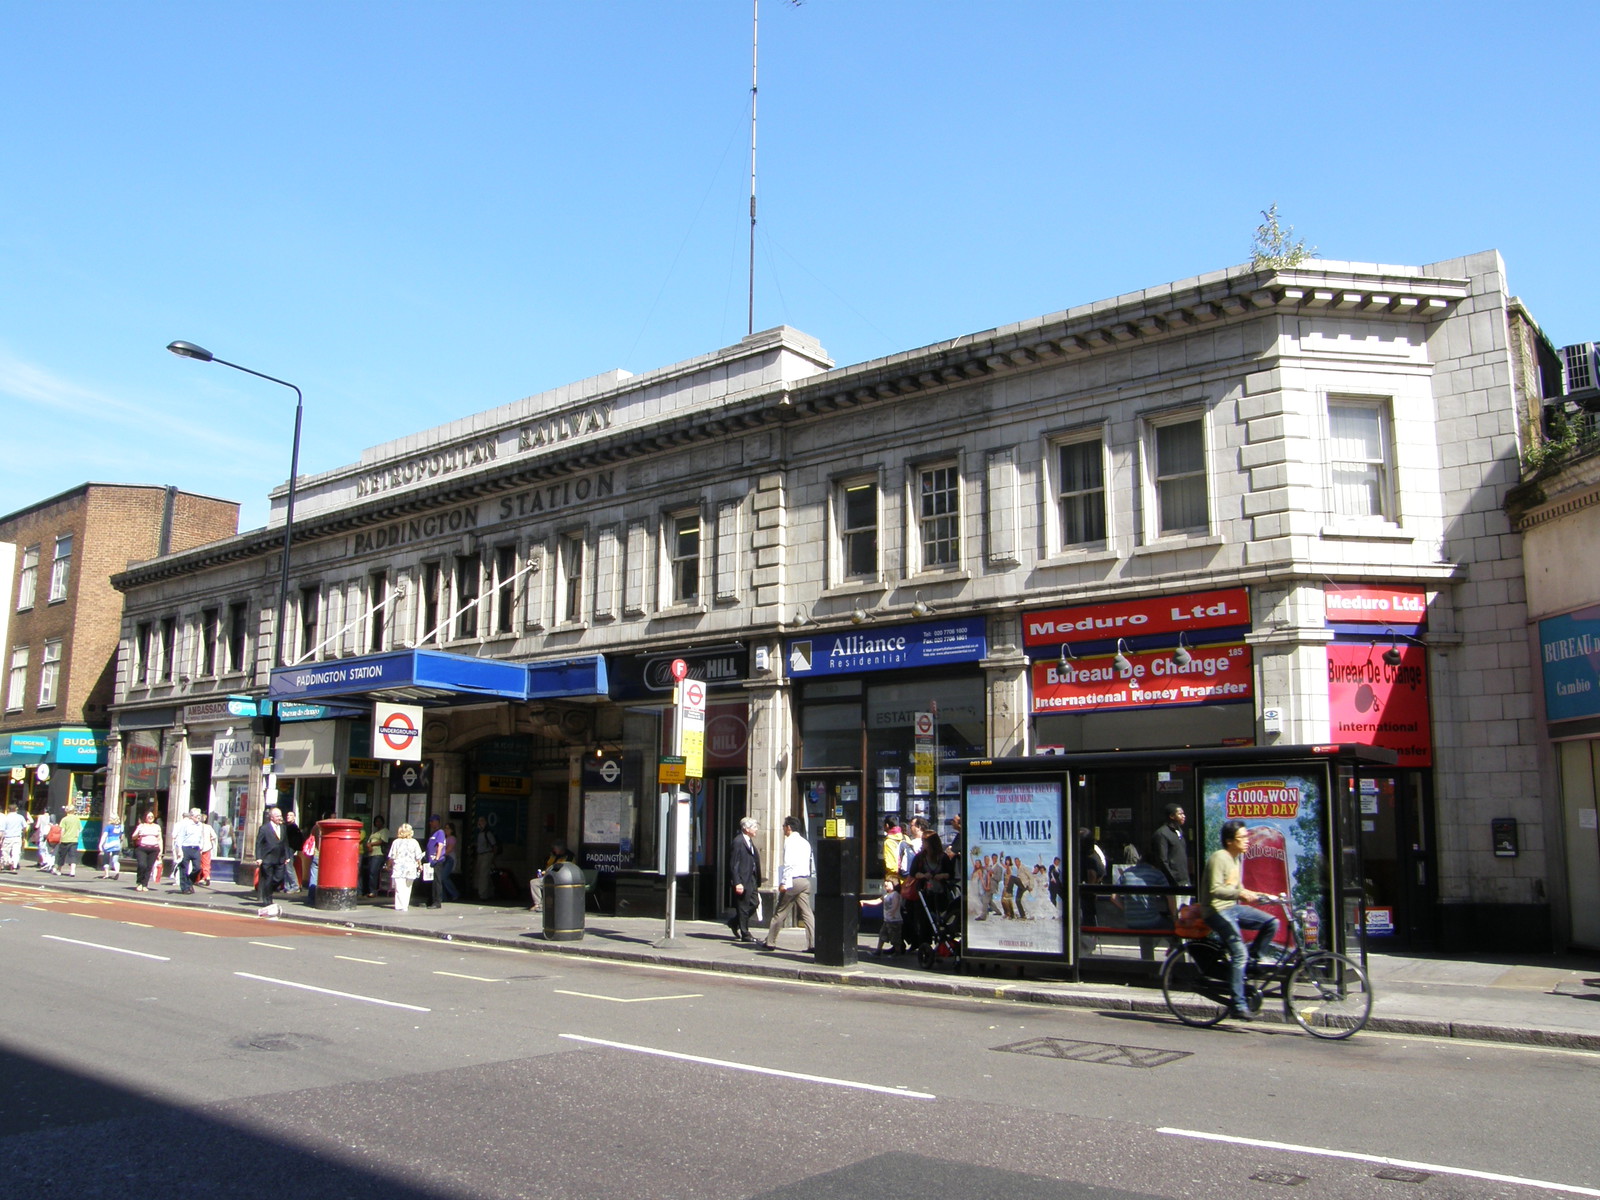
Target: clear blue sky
[417,211]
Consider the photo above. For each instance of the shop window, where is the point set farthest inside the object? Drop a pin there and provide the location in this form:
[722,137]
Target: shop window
[505,589]
[469,572]
[830,736]
[856,520]
[166,649]
[18,686]
[28,579]
[60,568]
[238,636]
[571,569]
[377,611]
[49,672]
[210,632]
[1177,455]
[1081,492]
[432,582]
[1359,459]
[939,516]
[683,557]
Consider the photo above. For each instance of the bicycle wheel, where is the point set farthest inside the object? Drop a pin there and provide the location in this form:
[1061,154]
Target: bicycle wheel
[1195,984]
[1328,996]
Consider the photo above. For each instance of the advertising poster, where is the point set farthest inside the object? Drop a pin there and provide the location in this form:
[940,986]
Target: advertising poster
[1013,832]
[1286,814]
[1375,703]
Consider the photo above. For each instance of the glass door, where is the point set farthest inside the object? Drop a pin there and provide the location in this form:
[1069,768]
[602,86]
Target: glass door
[1396,859]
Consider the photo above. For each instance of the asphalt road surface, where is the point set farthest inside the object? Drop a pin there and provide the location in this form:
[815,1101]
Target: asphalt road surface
[148,1048]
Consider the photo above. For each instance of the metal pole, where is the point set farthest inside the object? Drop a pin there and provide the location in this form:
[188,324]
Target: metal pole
[755,20]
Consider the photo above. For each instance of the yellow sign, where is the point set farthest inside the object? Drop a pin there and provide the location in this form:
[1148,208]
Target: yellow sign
[504,785]
[365,767]
[670,769]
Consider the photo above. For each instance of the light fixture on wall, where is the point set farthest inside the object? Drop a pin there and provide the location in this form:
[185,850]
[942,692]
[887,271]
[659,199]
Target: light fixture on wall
[802,618]
[920,607]
[859,615]
[1120,660]
[1066,656]
[1181,657]
[1392,655]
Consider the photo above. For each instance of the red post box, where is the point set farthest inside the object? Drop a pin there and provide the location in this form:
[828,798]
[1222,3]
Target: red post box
[338,863]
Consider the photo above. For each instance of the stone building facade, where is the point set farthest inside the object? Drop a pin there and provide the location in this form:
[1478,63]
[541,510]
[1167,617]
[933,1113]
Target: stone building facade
[1254,507]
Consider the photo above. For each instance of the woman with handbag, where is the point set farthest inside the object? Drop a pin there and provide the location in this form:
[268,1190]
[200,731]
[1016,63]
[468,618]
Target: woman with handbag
[405,861]
[146,850]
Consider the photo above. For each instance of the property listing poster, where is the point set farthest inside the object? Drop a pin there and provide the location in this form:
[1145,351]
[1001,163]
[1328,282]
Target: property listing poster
[1286,814]
[1013,833]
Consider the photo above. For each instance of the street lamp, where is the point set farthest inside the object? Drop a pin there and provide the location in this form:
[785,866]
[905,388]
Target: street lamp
[190,350]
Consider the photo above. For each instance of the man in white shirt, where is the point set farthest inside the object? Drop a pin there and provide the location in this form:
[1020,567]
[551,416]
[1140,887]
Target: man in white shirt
[11,827]
[186,841]
[794,887]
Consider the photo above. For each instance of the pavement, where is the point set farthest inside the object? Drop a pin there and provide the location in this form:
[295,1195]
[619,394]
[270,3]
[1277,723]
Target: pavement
[1545,1000]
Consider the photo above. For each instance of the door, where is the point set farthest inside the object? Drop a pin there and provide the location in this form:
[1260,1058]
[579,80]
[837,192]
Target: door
[1397,860]
[728,809]
[1580,784]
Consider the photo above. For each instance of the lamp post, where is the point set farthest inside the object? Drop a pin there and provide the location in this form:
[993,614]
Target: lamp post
[200,353]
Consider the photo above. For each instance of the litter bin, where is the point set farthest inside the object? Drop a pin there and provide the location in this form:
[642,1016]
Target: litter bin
[563,903]
[836,906]
[338,864]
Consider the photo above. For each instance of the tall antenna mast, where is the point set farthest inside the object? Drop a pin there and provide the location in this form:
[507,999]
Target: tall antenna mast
[755,21]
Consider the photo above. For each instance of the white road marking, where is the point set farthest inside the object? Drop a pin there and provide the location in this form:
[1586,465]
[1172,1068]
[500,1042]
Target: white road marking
[734,1066]
[475,978]
[1384,1161]
[625,1000]
[377,962]
[272,945]
[197,933]
[330,992]
[114,949]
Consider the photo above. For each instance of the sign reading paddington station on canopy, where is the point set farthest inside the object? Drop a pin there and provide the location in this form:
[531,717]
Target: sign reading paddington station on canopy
[1225,608]
[397,732]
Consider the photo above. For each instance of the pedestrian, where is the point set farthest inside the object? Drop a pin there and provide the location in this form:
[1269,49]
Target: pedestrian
[744,871]
[295,839]
[42,825]
[893,836]
[558,855]
[377,850]
[110,848]
[452,859]
[892,932]
[794,888]
[405,859]
[485,849]
[309,849]
[68,852]
[272,855]
[12,827]
[1169,854]
[146,851]
[208,847]
[434,860]
[186,840]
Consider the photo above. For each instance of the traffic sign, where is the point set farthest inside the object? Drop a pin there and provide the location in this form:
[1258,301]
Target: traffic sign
[680,669]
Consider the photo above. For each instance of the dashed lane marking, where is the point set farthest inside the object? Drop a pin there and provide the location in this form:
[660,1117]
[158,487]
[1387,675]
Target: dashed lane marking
[625,999]
[306,987]
[376,962]
[474,978]
[97,946]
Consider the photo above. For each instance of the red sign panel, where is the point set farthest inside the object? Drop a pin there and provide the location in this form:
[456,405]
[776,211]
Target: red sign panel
[1221,609]
[1362,604]
[1372,703]
[1215,675]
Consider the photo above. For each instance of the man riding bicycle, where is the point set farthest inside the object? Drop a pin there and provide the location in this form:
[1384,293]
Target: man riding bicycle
[1225,904]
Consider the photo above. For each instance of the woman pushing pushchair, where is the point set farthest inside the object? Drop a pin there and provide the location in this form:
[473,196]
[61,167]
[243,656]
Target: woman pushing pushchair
[933,905]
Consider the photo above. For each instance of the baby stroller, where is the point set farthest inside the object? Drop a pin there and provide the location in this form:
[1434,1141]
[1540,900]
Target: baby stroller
[934,930]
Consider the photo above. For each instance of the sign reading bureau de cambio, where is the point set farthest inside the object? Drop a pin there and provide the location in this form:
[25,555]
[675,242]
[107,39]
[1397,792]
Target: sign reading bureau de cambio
[1569,657]
[889,648]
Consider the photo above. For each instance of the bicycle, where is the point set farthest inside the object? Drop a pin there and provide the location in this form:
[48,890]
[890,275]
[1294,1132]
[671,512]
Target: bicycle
[1326,994]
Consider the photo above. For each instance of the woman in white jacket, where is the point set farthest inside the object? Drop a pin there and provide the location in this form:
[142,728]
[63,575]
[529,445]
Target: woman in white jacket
[405,857]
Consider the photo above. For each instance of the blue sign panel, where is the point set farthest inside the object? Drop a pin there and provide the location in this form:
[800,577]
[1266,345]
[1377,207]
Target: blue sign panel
[80,747]
[1569,652]
[891,648]
[426,669]
[568,677]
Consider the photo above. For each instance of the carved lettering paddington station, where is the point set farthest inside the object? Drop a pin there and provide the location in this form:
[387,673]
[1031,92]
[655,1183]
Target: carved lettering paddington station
[427,466]
[417,529]
[564,426]
[554,496]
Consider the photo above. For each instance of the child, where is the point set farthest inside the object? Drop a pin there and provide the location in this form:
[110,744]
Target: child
[893,928]
[111,849]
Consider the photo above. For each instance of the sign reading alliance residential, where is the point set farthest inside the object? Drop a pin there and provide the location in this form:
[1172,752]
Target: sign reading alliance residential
[397,732]
[889,648]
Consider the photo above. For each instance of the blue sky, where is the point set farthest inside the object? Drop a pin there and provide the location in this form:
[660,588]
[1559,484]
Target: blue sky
[417,211]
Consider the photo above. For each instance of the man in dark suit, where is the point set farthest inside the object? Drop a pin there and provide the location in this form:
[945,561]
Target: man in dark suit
[272,849]
[744,870]
[1169,848]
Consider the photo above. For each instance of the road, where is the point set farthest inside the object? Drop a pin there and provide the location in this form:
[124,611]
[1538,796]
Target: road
[169,1047]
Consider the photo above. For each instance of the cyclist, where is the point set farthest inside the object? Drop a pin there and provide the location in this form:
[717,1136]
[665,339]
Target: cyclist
[1225,903]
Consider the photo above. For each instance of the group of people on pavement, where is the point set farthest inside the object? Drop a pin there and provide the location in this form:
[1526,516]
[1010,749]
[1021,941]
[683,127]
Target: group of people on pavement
[796,865]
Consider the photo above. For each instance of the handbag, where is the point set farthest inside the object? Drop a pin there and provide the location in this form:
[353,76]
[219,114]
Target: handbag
[908,889]
[53,838]
[427,872]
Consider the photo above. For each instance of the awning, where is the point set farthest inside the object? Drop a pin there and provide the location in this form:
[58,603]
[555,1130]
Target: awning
[436,678]
[72,746]
[413,676]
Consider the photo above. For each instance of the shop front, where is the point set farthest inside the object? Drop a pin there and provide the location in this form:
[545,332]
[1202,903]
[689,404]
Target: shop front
[881,715]
[56,769]
[1569,656]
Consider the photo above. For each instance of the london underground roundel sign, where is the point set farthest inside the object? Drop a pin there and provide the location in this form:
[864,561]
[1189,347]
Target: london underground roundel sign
[397,732]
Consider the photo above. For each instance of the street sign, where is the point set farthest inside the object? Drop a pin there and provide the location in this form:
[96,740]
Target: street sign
[397,732]
[680,669]
[669,769]
[692,718]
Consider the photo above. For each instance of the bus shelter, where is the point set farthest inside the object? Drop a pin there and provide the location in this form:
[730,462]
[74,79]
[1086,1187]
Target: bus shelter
[1062,863]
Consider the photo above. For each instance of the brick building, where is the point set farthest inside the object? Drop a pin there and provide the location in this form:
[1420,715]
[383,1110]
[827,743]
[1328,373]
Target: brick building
[1253,508]
[60,627]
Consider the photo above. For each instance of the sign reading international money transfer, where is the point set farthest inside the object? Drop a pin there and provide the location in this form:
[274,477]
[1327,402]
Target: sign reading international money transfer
[1153,679]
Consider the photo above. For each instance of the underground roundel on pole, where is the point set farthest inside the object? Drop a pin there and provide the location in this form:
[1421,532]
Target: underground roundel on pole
[397,732]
